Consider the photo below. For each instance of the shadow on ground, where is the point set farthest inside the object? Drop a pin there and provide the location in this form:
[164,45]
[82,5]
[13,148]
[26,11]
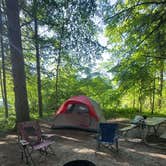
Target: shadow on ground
[80,145]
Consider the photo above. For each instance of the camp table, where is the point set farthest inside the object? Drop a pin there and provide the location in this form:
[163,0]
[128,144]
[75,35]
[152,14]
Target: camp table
[154,122]
[145,126]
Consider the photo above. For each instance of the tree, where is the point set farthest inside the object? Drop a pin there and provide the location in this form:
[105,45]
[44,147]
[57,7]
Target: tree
[135,31]
[36,38]
[71,38]
[3,75]
[74,40]
[17,59]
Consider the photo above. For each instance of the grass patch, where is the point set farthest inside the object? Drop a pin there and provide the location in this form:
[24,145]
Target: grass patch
[130,113]
[9,123]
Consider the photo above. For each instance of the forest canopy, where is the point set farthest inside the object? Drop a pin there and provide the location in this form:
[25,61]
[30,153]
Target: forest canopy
[51,50]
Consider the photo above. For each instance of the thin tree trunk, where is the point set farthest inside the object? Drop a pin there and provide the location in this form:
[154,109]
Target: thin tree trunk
[3,66]
[17,59]
[140,98]
[150,100]
[57,79]
[38,61]
[161,79]
[1,84]
[57,68]
[140,104]
[153,96]
[134,100]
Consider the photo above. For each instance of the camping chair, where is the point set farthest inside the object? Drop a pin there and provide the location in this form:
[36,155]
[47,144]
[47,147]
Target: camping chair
[31,139]
[108,134]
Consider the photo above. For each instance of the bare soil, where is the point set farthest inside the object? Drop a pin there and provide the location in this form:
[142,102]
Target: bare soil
[73,144]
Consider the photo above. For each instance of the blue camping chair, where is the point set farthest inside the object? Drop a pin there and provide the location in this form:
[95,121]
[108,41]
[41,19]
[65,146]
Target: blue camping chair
[108,135]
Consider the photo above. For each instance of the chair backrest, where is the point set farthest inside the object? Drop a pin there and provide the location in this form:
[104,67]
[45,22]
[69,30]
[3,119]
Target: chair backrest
[108,131]
[30,131]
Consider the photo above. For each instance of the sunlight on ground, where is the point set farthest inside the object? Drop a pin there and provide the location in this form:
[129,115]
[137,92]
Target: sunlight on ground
[2,142]
[118,120]
[157,155]
[84,150]
[133,140]
[90,151]
[70,138]
[11,136]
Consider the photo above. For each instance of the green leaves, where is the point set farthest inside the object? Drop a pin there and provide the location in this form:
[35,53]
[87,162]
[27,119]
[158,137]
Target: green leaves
[135,31]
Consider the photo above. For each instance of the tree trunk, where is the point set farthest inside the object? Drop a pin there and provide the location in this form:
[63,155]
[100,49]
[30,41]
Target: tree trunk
[17,59]
[153,96]
[37,61]
[140,98]
[134,100]
[1,84]
[150,100]
[3,76]
[161,79]
[58,66]
[57,79]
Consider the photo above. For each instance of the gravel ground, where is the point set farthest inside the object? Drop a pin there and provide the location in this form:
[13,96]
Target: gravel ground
[73,144]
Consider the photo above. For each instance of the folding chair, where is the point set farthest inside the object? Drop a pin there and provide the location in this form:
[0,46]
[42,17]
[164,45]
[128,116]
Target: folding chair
[108,134]
[30,139]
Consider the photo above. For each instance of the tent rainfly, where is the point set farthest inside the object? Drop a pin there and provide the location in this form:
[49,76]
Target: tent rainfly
[78,112]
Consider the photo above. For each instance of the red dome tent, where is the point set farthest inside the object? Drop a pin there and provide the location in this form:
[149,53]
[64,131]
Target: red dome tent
[78,112]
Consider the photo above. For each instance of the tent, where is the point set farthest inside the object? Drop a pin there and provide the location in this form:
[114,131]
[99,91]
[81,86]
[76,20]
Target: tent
[79,112]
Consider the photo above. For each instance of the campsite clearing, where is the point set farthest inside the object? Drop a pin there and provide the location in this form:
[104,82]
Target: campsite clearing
[74,144]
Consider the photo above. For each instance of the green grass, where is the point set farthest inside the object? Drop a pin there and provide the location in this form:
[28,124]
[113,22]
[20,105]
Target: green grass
[130,113]
[9,123]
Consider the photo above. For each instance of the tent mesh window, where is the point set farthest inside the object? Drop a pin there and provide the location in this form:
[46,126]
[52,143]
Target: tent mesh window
[78,108]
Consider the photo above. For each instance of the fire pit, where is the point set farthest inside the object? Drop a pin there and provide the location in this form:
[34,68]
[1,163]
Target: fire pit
[80,163]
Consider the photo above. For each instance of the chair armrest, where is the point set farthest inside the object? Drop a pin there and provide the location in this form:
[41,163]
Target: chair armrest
[23,142]
[47,136]
[126,129]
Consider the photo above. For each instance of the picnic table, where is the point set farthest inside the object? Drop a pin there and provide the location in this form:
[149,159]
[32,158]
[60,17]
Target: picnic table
[153,123]
[145,127]
[163,136]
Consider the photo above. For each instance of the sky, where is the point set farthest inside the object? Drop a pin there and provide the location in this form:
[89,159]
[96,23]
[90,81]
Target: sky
[101,38]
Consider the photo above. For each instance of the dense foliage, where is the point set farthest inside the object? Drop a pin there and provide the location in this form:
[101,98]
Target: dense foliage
[61,53]
[137,37]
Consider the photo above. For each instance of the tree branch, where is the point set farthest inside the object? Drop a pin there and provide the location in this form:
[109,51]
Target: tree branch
[132,8]
[149,34]
[159,57]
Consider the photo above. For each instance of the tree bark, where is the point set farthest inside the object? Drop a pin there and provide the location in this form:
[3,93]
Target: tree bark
[58,66]
[153,96]
[140,98]
[134,100]
[39,86]
[161,80]
[3,76]
[17,59]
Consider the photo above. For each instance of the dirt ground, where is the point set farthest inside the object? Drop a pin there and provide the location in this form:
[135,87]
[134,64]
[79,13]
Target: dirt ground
[73,144]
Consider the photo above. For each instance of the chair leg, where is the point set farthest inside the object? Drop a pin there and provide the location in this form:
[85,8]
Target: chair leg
[29,156]
[98,145]
[117,146]
[51,150]
[25,154]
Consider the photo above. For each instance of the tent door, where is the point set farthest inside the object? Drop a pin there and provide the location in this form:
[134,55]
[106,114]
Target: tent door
[84,119]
